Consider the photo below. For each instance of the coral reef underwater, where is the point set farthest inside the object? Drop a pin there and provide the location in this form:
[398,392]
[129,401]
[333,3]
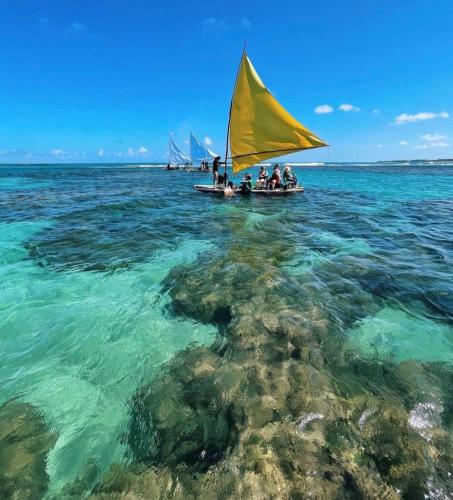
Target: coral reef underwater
[25,441]
[279,407]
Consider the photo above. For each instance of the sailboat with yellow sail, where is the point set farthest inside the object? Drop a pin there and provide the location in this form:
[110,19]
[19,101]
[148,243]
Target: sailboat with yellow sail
[260,128]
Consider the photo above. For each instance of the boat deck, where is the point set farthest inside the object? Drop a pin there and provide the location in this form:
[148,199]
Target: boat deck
[203,188]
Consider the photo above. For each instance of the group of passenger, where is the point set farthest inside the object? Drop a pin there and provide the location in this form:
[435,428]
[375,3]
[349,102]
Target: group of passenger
[204,167]
[276,180]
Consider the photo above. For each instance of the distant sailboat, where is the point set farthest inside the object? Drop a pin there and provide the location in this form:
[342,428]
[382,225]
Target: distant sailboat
[260,128]
[198,152]
[175,156]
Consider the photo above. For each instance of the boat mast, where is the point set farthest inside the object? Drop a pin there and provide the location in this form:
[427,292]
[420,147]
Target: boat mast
[231,107]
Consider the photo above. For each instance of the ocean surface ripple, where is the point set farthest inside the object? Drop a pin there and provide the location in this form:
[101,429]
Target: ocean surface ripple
[174,345]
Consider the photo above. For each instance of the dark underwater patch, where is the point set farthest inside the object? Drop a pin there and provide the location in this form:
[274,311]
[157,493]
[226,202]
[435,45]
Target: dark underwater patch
[109,237]
[278,408]
[25,441]
[281,409]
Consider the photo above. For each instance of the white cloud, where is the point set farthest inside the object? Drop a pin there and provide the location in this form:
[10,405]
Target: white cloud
[432,145]
[101,153]
[78,28]
[245,23]
[404,143]
[323,109]
[208,141]
[375,111]
[433,141]
[380,146]
[408,118]
[433,137]
[57,152]
[214,23]
[141,151]
[348,107]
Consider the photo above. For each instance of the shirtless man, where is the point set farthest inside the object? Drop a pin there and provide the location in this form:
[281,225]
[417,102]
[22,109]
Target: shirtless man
[215,169]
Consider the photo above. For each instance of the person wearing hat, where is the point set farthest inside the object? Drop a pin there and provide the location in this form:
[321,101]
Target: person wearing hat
[289,178]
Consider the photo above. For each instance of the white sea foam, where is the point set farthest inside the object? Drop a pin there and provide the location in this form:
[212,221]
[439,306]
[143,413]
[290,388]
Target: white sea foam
[363,418]
[425,417]
[307,418]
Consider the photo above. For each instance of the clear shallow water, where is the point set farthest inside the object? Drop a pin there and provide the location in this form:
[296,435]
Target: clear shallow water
[106,273]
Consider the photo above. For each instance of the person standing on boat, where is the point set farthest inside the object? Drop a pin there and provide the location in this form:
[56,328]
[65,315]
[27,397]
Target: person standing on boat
[215,169]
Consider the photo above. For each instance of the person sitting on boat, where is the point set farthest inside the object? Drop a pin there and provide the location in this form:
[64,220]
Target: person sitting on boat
[289,179]
[229,190]
[215,170]
[276,178]
[263,175]
[246,184]
[262,178]
[222,180]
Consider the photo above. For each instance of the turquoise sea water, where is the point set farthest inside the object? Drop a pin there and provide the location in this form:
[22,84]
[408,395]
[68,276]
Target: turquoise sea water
[90,255]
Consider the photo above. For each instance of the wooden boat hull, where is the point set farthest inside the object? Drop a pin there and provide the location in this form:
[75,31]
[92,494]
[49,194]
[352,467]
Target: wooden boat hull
[203,188]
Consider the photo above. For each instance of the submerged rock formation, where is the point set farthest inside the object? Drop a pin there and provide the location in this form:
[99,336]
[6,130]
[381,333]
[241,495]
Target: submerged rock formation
[25,441]
[276,408]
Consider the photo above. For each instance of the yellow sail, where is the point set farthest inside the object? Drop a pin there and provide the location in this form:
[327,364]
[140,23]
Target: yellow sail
[260,128]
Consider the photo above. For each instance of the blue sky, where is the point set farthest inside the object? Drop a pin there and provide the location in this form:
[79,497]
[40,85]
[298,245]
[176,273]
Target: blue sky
[108,80]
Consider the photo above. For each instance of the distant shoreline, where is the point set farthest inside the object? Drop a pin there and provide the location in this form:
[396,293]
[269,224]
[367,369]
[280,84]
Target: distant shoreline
[440,161]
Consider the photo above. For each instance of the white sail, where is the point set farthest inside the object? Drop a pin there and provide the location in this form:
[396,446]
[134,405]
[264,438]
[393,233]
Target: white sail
[198,152]
[175,155]
[211,153]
